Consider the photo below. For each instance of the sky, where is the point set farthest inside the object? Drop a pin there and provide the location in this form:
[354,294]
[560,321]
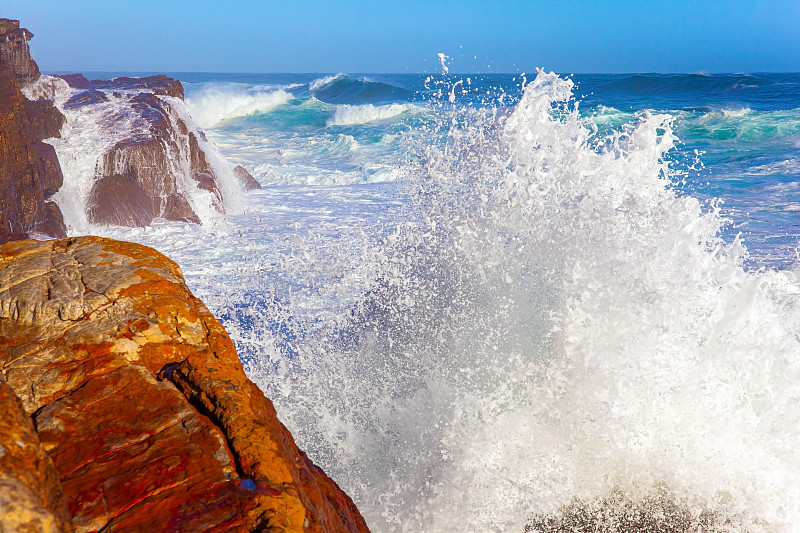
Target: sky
[568,36]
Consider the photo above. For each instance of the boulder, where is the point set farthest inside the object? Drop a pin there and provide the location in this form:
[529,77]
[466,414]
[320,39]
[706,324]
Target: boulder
[31,497]
[141,402]
[246,180]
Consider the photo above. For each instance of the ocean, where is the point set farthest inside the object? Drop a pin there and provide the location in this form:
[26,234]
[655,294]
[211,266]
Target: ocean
[490,302]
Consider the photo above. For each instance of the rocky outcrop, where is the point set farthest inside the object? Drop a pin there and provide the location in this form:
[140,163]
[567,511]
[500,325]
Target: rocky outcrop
[139,399]
[29,169]
[158,84]
[246,180]
[14,48]
[150,171]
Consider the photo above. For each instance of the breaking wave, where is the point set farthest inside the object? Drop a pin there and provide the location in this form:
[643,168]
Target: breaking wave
[215,103]
[349,114]
[547,325]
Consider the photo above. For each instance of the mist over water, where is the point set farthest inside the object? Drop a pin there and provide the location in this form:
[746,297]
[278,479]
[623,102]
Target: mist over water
[517,308]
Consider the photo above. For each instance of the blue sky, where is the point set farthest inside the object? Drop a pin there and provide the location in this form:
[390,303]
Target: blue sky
[404,36]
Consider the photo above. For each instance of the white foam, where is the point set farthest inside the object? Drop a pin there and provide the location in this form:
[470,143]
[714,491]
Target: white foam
[346,115]
[320,82]
[543,318]
[215,103]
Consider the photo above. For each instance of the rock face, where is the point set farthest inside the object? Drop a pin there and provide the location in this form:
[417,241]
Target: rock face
[29,169]
[140,401]
[14,47]
[150,172]
[30,494]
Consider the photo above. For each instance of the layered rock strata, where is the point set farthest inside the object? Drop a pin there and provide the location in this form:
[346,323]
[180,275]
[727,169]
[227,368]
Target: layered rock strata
[141,403]
[29,169]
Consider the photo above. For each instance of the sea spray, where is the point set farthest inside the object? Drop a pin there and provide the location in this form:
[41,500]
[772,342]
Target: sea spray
[548,321]
[219,102]
[536,324]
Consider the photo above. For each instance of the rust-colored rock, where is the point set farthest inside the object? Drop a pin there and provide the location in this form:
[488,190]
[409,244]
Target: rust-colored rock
[29,169]
[31,499]
[246,180]
[140,399]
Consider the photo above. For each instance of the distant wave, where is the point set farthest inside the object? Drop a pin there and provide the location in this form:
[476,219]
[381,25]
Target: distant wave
[342,89]
[670,83]
[346,115]
[216,103]
[742,124]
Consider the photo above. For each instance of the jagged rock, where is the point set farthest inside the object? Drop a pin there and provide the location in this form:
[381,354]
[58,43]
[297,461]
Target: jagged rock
[246,180]
[159,84]
[141,402]
[31,498]
[29,169]
[120,201]
[153,162]
[14,49]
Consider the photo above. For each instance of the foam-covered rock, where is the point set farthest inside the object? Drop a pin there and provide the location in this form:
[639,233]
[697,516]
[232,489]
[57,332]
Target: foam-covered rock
[156,154]
[141,402]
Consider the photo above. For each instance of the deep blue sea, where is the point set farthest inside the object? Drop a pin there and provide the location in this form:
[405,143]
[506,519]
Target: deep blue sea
[479,299]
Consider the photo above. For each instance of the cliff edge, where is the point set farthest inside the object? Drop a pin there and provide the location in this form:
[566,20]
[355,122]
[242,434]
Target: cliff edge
[29,169]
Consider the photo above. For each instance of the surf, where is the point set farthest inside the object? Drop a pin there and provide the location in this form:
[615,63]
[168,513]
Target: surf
[548,322]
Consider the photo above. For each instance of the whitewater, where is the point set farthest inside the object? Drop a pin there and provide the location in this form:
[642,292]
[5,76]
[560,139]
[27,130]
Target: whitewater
[512,303]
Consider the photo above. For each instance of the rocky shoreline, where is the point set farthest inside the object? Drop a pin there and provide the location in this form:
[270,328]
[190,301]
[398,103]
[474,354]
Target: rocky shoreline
[123,404]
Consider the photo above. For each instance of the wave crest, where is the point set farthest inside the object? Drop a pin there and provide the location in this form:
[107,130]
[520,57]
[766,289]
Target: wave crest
[347,115]
[219,102]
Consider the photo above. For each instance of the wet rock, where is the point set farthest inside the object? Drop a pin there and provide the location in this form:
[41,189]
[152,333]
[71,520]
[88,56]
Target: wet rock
[83,98]
[141,402]
[29,169]
[160,159]
[246,180]
[159,84]
[120,201]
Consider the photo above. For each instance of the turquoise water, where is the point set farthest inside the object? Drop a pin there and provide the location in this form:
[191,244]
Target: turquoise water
[739,133]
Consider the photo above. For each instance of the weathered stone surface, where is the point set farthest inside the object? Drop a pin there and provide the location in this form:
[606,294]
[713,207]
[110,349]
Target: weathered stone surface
[141,401]
[246,180]
[29,169]
[83,98]
[31,499]
[120,201]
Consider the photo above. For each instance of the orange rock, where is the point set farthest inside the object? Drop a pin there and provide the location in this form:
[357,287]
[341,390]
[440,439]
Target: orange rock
[31,499]
[141,401]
